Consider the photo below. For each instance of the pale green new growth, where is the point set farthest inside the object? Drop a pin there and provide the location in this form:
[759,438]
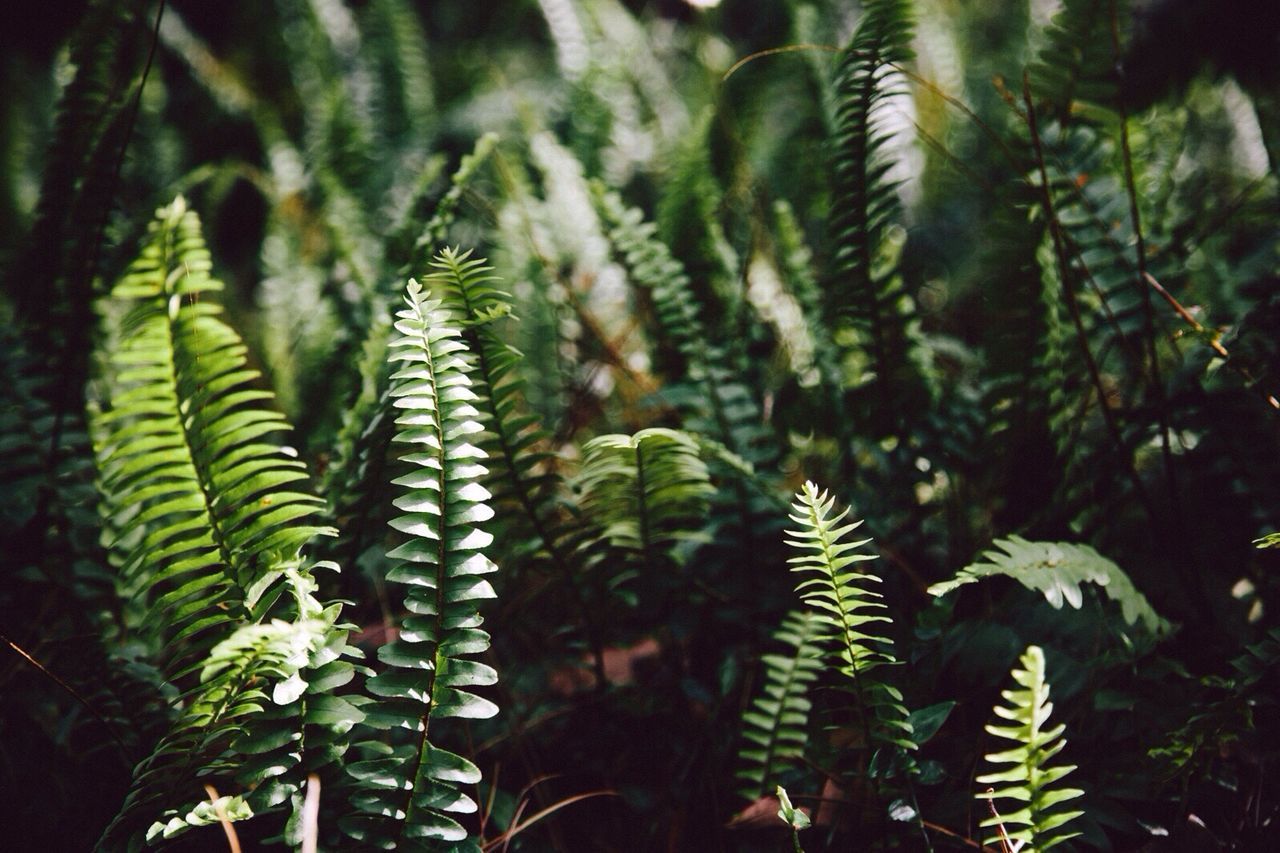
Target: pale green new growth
[1035,822]
[846,605]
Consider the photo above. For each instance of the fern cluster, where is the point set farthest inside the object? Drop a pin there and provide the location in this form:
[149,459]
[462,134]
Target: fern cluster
[1001,281]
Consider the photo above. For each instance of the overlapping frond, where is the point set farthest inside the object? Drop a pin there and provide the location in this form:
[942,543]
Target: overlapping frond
[1036,821]
[410,792]
[776,727]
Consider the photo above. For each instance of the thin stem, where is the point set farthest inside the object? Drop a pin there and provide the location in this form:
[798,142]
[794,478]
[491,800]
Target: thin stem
[1073,307]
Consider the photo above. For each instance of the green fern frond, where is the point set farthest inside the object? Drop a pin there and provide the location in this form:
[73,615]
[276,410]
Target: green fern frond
[411,790]
[865,290]
[1077,64]
[181,455]
[208,525]
[847,608]
[718,403]
[1056,570]
[436,229]
[646,492]
[229,696]
[775,728]
[518,445]
[1037,820]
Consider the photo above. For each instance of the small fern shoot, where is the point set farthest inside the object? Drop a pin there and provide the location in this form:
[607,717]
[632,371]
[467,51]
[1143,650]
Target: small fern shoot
[409,792]
[1038,823]
[847,608]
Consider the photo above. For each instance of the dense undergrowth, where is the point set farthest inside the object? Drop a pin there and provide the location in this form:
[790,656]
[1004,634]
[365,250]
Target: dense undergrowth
[578,425]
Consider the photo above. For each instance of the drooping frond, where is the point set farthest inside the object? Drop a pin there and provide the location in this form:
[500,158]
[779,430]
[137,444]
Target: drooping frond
[1056,570]
[410,791]
[1035,821]
[776,727]
[847,608]
[646,492]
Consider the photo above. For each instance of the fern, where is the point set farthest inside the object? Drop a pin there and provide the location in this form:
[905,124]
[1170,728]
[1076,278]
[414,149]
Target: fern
[181,455]
[864,287]
[435,231]
[228,700]
[210,522]
[775,728]
[718,403]
[1077,63]
[647,493]
[846,609]
[1057,570]
[1040,821]
[410,791]
[523,477]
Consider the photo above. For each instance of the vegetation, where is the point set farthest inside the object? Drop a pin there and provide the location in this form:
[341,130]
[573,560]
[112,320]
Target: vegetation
[442,427]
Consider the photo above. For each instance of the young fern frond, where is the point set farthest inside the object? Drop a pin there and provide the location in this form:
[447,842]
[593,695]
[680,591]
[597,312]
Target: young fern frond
[846,609]
[865,289]
[775,728]
[408,794]
[1056,570]
[1038,821]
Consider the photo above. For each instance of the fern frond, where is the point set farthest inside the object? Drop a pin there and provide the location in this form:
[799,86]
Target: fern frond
[1077,64]
[1038,820]
[229,695]
[646,492]
[1056,570]
[847,608]
[213,524]
[436,229]
[517,449]
[775,728]
[865,289]
[411,790]
[718,403]
[181,454]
